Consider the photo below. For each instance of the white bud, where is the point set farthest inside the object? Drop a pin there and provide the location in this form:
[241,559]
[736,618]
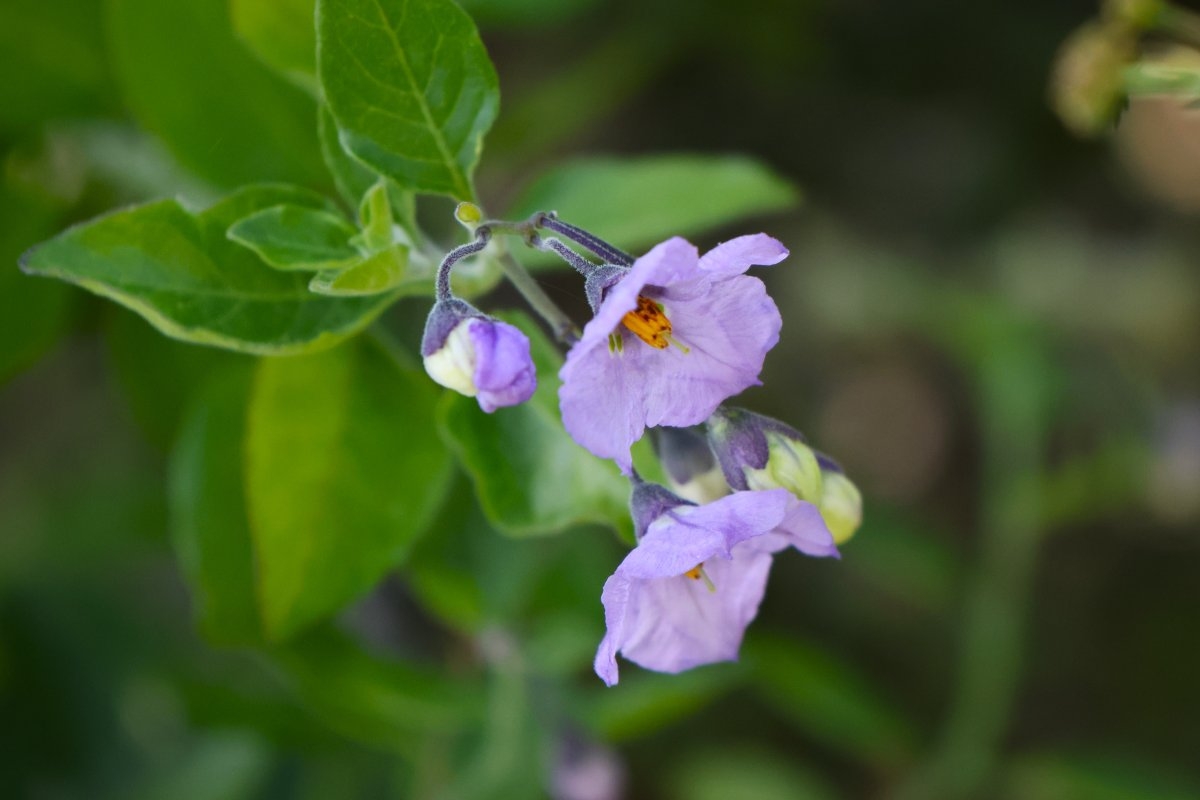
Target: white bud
[453,364]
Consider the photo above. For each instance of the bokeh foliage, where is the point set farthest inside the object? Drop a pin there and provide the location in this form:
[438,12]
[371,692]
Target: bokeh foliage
[285,567]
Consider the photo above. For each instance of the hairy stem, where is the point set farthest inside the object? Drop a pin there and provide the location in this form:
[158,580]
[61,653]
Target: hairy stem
[602,249]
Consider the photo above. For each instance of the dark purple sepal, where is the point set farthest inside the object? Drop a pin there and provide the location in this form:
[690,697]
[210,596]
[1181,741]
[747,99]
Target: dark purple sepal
[649,501]
[738,439]
[443,318]
[599,280]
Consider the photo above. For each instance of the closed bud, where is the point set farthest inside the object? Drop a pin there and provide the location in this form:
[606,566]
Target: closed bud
[841,502]
[1087,85]
[478,356]
[757,453]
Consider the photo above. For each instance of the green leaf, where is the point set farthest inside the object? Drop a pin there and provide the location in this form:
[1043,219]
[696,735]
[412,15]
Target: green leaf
[375,217]
[634,203]
[411,88]
[296,238]
[282,33]
[827,699]
[531,477]
[208,510]
[344,472]
[179,271]
[1162,77]
[223,114]
[352,177]
[372,275]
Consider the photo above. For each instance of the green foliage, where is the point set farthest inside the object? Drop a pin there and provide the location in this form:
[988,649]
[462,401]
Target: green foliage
[292,237]
[531,477]
[641,201]
[52,57]
[352,177]
[282,33]
[343,472]
[372,275]
[221,112]
[411,88]
[178,270]
[209,526]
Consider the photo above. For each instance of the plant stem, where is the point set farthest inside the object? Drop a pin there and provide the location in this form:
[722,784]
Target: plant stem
[562,326]
[1010,381]
[606,251]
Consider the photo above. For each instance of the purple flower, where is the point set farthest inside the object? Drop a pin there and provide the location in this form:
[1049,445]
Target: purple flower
[673,336]
[478,356]
[684,596]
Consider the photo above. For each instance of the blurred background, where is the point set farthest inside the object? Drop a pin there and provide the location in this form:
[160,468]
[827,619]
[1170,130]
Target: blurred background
[992,324]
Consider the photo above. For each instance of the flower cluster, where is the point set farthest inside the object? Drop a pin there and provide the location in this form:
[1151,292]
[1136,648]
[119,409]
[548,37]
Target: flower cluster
[674,334]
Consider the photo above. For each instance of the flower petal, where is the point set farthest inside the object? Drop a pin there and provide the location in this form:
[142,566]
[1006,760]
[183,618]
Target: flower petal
[728,333]
[669,262]
[504,370]
[805,529]
[676,623]
[661,618]
[602,398]
[689,535]
[738,255]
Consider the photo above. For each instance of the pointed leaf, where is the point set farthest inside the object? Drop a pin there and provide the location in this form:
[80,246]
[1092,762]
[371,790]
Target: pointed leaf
[344,472]
[295,238]
[637,202]
[179,271]
[220,111]
[410,86]
[282,34]
[374,274]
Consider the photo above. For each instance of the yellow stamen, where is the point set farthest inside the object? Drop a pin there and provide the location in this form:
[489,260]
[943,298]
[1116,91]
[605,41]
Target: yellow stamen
[697,573]
[683,348]
[649,323]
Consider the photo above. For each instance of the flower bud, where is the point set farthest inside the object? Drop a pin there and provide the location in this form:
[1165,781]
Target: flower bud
[648,502]
[1087,85]
[478,356]
[841,502]
[757,452]
[691,469]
